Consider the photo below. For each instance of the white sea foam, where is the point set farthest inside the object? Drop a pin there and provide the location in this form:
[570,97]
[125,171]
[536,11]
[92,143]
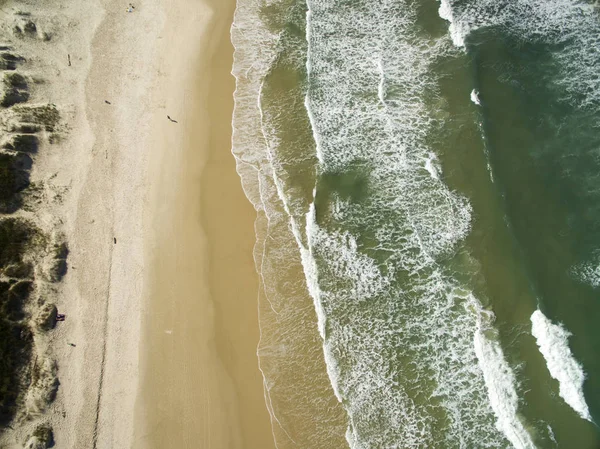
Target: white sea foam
[571,25]
[553,341]
[431,166]
[389,344]
[385,347]
[500,381]
[457,31]
[310,272]
[588,272]
[475,97]
[254,145]
[249,69]
[551,434]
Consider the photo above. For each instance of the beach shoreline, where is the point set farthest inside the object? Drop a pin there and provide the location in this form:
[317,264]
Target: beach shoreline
[200,385]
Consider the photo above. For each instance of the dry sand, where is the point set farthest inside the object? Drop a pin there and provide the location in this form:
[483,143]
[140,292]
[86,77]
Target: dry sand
[161,290]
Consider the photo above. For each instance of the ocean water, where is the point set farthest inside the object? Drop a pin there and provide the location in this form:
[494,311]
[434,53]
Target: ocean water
[428,231]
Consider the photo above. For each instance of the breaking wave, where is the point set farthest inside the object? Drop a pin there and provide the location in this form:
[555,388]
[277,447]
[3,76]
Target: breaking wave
[553,341]
[403,339]
[571,27]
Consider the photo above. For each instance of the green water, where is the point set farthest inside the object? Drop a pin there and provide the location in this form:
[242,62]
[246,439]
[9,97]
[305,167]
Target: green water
[423,229]
[542,154]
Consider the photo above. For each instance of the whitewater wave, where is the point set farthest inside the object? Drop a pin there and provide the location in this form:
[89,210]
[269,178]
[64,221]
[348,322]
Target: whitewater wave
[405,352]
[475,97]
[303,409]
[553,341]
[410,353]
[588,272]
[571,27]
[501,383]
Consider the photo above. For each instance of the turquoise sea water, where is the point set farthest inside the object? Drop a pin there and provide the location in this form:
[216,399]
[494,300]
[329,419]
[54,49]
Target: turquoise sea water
[428,240]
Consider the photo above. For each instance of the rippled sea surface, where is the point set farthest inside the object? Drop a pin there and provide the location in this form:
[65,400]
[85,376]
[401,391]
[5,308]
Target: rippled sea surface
[426,177]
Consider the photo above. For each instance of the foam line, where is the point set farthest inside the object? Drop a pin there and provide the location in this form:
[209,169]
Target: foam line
[553,341]
[475,97]
[386,341]
[501,383]
[570,26]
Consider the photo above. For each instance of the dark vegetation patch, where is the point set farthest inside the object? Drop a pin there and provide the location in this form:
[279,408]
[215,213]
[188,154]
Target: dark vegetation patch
[15,352]
[15,335]
[25,27]
[44,435]
[13,296]
[29,27]
[21,270]
[43,377]
[25,128]
[9,61]
[23,143]
[14,178]
[15,80]
[15,89]
[46,318]
[59,265]
[45,115]
[15,237]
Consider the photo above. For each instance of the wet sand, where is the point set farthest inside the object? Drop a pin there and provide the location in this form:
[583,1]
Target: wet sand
[200,386]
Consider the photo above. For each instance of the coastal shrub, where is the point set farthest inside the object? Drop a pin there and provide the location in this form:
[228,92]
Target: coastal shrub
[15,80]
[15,89]
[46,115]
[46,318]
[44,434]
[24,25]
[9,61]
[15,352]
[13,96]
[15,236]
[30,27]
[59,264]
[15,335]
[13,296]
[43,383]
[42,438]
[25,128]
[23,143]
[14,177]
[21,270]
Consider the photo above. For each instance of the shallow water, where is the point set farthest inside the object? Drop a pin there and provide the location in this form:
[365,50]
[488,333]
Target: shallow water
[425,180]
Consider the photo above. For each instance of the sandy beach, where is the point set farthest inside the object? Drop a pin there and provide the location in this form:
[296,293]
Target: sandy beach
[200,320]
[159,346]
